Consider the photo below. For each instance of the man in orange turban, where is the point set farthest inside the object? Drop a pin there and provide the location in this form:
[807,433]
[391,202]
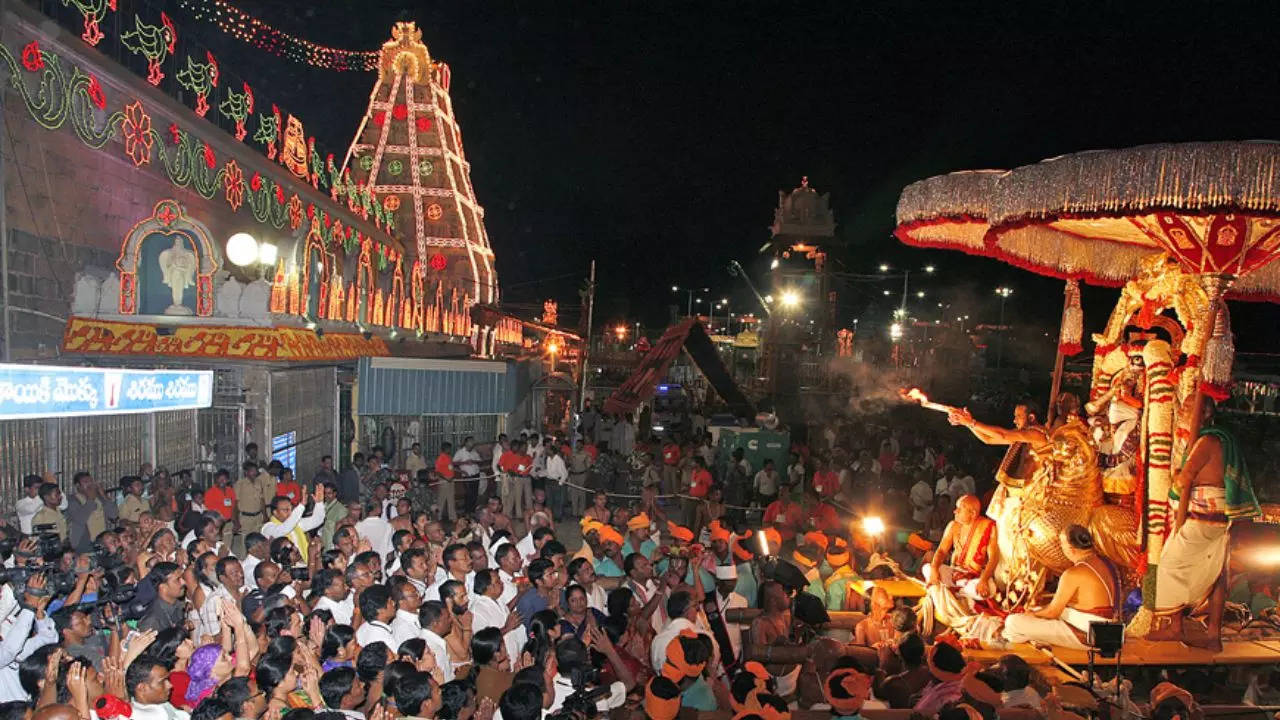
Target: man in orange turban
[610,561]
[638,539]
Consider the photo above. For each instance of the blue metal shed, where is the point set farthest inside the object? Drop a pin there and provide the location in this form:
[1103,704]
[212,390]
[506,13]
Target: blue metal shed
[410,386]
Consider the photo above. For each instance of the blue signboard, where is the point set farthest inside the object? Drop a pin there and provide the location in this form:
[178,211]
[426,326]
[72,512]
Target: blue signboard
[36,391]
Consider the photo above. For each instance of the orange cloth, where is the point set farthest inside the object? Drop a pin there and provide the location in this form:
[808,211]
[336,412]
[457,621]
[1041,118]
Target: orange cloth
[639,521]
[444,466]
[918,542]
[838,553]
[972,558]
[661,699]
[676,668]
[737,544]
[678,532]
[718,532]
[816,538]
[774,540]
[608,534]
[846,690]
[220,500]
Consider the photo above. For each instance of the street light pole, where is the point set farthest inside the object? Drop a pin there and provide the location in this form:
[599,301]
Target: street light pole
[1004,292]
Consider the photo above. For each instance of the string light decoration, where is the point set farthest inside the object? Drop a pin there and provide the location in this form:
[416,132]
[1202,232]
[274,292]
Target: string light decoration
[93,11]
[200,78]
[237,107]
[57,94]
[154,42]
[248,29]
[408,146]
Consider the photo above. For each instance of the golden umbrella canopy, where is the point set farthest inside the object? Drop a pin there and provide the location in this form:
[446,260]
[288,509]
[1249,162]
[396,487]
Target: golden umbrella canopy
[1095,216]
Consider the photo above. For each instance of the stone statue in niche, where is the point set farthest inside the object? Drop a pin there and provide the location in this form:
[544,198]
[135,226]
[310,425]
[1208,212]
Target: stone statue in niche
[178,268]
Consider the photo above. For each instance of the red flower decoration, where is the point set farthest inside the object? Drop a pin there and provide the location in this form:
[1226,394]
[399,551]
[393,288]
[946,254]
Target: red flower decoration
[233,183]
[279,194]
[438,263]
[423,122]
[31,57]
[209,160]
[255,182]
[175,133]
[136,128]
[400,111]
[96,96]
[379,118]
[311,211]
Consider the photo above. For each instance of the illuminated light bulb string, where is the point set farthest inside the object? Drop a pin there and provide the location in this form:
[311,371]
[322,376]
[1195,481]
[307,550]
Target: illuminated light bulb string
[242,26]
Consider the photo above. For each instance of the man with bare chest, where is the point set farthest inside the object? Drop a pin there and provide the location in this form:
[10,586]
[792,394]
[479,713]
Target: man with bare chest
[1210,490]
[773,629]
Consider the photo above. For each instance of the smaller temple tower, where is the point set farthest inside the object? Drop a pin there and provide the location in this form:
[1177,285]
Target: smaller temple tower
[803,227]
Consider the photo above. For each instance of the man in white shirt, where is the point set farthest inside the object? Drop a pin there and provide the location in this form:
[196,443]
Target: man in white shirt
[683,611]
[376,530]
[30,503]
[557,474]
[499,447]
[147,683]
[414,564]
[961,484]
[287,521]
[377,609]
[487,612]
[467,461]
[336,596]
[530,545]
[727,599]
[230,587]
[766,483]
[16,645]
[256,548]
[408,600]
[795,473]
[510,565]
[921,500]
[413,460]
[457,566]
[437,622]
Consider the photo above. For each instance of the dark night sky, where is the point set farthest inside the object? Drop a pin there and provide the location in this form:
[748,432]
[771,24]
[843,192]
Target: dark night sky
[654,137]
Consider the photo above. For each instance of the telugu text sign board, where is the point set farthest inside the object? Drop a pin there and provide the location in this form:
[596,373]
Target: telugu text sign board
[39,391]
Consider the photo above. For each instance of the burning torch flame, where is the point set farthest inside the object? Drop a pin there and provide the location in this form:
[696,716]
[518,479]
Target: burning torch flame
[917,395]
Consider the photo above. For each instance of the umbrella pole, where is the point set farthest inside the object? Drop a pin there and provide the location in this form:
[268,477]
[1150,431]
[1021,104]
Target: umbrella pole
[1060,358]
[1215,286]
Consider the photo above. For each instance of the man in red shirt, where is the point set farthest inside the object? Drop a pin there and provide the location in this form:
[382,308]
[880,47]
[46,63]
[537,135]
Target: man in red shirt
[670,466]
[507,485]
[825,480]
[785,516]
[221,498]
[445,474]
[286,487]
[521,484]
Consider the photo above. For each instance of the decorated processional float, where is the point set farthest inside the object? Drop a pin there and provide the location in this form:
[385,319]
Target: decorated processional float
[1180,228]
